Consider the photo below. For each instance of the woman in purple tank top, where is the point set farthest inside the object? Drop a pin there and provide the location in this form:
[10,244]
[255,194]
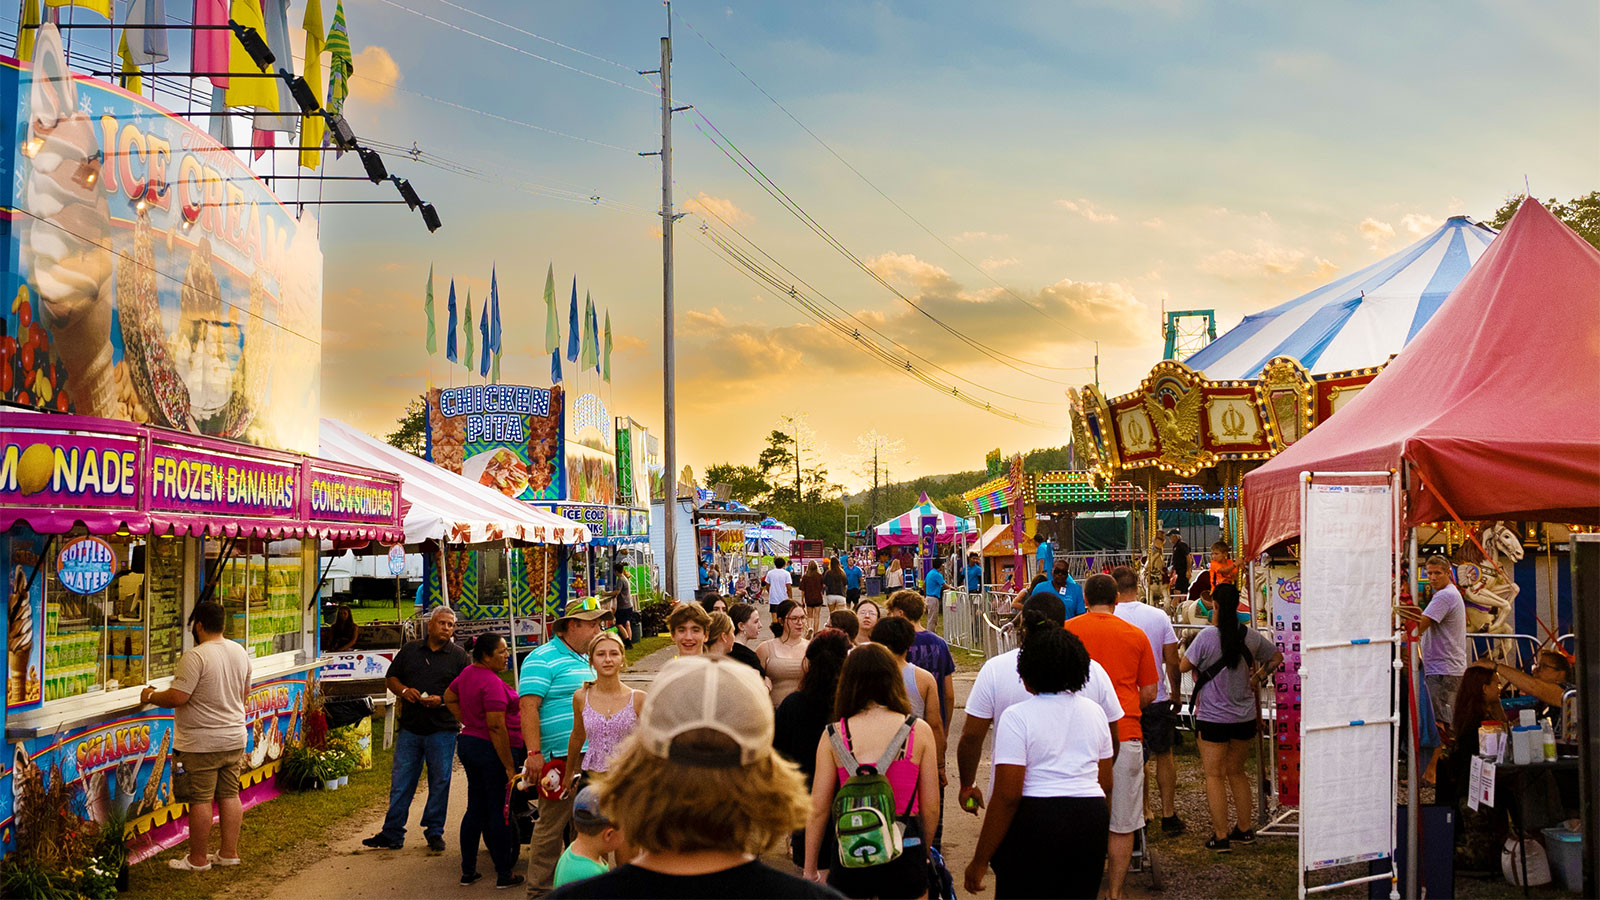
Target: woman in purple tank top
[604,710]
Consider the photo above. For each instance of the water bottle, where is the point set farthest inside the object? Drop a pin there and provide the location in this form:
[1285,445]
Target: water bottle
[1548,737]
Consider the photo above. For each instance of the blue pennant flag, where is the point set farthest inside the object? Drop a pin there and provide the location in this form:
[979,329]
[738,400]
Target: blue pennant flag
[488,341]
[450,332]
[555,366]
[494,311]
[572,325]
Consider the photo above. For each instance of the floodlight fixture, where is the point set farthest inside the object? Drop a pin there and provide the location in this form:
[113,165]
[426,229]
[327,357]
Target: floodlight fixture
[374,165]
[344,137]
[301,91]
[408,192]
[253,44]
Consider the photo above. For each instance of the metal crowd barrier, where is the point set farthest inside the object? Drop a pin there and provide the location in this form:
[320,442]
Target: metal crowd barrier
[1517,650]
[960,624]
[1079,564]
[998,637]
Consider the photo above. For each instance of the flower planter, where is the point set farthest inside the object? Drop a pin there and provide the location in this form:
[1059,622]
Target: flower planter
[344,780]
[331,784]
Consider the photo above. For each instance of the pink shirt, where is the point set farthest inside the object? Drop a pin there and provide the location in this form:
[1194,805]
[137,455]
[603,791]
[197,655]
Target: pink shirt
[481,691]
[902,774]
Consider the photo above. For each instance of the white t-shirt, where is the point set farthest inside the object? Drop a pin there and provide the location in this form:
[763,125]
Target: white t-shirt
[1158,628]
[1444,644]
[998,688]
[216,675]
[778,581]
[1061,739]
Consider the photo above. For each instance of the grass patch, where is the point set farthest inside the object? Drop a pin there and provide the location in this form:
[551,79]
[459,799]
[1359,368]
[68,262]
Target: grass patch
[645,647]
[382,612]
[967,660]
[271,831]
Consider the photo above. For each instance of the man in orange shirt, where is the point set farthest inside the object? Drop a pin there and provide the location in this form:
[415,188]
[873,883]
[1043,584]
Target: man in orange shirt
[1124,652]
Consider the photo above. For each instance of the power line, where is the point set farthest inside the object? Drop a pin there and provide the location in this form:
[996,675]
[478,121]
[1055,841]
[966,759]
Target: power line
[860,324]
[515,49]
[503,24]
[754,172]
[798,299]
[868,182]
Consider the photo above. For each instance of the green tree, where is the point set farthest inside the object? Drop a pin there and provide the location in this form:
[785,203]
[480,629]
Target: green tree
[411,429]
[1581,214]
[745,483]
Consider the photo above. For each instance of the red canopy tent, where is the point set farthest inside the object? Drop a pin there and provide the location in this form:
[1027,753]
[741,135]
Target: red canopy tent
[1495,404]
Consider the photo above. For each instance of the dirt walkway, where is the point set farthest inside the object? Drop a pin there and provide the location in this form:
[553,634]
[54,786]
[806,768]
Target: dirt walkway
[337,866]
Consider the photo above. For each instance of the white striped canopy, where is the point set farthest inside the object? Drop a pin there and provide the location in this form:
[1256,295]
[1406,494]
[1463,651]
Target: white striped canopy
[444,506]
[1357,321]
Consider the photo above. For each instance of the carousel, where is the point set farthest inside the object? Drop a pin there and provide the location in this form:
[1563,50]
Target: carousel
[1207,420]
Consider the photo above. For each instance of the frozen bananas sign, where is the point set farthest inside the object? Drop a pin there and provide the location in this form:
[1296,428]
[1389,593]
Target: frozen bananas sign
[506,436]
[69,471]
[148,275]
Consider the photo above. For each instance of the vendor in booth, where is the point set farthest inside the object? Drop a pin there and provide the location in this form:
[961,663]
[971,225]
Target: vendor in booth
[1551,679]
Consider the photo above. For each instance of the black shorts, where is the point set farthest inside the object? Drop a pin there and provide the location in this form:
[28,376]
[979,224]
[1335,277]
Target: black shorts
[852,596]
[1223,732]
[1160,726]
[906,876]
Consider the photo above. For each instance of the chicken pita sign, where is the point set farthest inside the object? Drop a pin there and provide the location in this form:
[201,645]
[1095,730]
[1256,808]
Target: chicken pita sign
[507,436]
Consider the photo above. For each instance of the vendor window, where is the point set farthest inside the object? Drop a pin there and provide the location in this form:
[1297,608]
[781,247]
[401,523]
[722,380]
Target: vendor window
[492,584]
[258,584]
[112,619]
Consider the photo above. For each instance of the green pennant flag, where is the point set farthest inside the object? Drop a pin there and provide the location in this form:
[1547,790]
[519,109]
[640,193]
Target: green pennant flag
[427,307]
[591,341]
[606,360]
[552,318]
[466,332]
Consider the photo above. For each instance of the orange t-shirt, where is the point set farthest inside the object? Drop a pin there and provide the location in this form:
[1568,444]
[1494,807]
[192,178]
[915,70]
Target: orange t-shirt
[1122,649]
[1225,572]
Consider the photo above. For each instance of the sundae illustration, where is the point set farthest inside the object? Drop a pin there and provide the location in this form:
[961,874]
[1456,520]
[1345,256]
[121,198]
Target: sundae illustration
[22,679]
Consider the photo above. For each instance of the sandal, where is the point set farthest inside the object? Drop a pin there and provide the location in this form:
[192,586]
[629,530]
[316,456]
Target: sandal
[217,859]
[182,864]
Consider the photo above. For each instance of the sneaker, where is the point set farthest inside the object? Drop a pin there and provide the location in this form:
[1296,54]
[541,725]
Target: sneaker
[435,843]
[379,842]
[467,879]
[513,881]
[1172,825]
[1241,837]
[1218,845]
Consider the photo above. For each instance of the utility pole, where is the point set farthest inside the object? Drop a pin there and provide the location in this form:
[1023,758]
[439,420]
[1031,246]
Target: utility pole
[668,350]
[1097,365]
[874,485]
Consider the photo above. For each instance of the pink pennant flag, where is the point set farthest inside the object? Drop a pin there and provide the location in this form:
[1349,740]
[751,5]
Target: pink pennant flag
[262,141]
[211,45]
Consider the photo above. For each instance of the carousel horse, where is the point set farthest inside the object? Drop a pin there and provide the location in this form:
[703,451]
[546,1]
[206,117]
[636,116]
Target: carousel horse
[1486,583]
[1153,586]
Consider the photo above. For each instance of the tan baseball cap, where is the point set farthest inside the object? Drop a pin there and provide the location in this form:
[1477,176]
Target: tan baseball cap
[697,693]
[584,615]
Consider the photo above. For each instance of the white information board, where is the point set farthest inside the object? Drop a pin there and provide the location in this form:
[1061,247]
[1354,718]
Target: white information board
[1347,546]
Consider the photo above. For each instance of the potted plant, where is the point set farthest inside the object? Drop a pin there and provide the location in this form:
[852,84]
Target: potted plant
[297,770]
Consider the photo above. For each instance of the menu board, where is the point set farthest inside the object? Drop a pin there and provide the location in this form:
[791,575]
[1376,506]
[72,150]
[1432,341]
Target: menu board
[164,579]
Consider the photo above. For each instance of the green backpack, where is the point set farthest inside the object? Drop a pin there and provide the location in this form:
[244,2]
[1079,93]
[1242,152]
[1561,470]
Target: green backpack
[864,820]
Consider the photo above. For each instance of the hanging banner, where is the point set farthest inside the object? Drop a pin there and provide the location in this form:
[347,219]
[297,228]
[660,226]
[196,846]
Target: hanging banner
[591,467]
[506,436]
[1283,587]
[146,273]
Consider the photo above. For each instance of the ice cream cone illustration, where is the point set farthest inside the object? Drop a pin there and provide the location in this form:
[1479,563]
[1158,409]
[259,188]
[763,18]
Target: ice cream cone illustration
[67,250]
[19,642]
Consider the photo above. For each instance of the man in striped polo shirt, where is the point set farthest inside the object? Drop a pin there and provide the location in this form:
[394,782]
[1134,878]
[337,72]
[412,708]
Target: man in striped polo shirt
[550,676]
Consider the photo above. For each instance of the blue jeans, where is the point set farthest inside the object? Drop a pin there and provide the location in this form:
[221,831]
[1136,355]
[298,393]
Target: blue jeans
[410,751]
[487,816]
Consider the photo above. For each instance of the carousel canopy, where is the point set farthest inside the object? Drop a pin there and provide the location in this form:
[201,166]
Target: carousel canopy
[1357,321]
[906,528]
[445,506]
[1493,404]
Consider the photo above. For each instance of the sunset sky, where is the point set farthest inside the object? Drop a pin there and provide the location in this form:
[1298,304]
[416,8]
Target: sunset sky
[1095,160]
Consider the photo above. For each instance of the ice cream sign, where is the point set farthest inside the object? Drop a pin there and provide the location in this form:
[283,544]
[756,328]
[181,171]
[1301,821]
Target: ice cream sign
[68,470]
[86,565]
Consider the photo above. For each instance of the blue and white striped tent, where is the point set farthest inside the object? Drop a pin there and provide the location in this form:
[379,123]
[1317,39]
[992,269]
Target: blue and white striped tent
[1356,321]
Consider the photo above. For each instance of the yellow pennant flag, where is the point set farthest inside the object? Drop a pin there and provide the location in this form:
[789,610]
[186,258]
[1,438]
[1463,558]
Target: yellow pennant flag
[130,73]
[103,7]
[260,93]
[26,34]
[313,127]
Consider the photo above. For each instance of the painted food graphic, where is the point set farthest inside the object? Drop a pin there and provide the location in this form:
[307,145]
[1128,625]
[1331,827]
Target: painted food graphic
[505,473]
[146,360]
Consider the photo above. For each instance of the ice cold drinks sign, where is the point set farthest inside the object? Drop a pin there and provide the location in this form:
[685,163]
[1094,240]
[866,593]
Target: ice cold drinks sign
[86,565]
